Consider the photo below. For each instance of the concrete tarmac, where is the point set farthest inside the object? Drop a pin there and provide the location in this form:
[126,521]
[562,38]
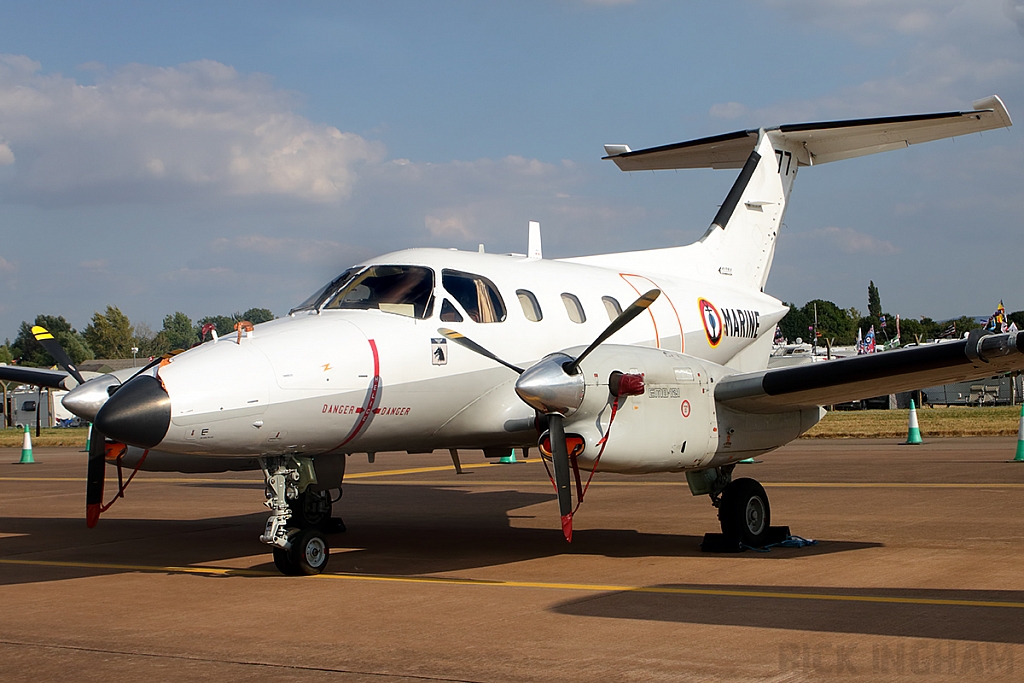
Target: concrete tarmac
[918,574]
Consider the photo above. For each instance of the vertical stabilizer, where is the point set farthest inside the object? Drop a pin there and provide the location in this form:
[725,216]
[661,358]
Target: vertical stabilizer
[737,250]
[741,239]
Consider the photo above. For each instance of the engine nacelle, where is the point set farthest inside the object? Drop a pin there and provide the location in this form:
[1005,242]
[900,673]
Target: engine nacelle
[672,426]
[675,423]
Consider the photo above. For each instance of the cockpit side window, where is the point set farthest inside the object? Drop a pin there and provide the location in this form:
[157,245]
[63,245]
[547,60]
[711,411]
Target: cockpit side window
[450,314]
[402,290]
[477,295]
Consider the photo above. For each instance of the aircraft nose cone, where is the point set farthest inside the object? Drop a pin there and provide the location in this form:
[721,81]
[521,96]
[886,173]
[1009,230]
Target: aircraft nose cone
[138,414]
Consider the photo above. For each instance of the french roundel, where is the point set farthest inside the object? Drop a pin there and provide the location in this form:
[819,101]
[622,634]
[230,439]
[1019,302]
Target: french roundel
[712,320]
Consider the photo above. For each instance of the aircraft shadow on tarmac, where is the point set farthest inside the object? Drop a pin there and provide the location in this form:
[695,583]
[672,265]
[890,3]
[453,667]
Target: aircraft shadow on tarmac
[945,622]
[394,530]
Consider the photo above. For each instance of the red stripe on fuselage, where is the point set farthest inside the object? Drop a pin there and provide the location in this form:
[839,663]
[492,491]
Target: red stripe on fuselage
[366,412]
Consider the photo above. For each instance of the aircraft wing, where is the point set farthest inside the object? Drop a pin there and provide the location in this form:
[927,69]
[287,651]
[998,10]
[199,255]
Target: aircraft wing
[848,379]
[817,143]
[38,377]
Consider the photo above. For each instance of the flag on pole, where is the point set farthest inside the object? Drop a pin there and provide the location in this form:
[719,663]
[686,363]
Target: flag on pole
[860,342]
[881,319]
[869,341]
[779,339]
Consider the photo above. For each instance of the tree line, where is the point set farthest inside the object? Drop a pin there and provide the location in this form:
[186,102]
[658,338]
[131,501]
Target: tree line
[112,335]
[839,325]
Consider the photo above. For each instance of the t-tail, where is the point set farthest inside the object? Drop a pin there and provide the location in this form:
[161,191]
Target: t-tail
[738,248]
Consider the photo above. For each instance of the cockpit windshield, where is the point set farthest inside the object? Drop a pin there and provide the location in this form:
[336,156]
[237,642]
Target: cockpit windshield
[321,295]
[402,290]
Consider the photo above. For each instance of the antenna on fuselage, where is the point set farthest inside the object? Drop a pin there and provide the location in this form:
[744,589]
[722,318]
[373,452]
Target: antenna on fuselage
[533,245]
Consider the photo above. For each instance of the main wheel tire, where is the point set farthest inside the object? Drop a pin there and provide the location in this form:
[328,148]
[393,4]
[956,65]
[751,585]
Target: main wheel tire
[744,512]
[309,552]
[310,510]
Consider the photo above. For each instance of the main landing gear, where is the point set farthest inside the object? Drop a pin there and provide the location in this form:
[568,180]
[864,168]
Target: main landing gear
[299,518]
[743,508]
[744,512]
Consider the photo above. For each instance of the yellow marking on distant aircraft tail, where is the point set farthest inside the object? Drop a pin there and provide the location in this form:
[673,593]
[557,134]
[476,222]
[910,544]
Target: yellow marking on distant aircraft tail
[544,585]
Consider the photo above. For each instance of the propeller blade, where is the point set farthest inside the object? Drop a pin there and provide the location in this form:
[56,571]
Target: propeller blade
[560,463]
[53,347]
[468,343]
[94,477]
[624,318]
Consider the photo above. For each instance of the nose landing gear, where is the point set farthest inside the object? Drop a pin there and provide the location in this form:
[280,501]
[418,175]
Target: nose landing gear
[298,519]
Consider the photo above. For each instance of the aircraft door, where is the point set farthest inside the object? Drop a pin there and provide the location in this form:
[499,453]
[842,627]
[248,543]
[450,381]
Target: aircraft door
[667,323]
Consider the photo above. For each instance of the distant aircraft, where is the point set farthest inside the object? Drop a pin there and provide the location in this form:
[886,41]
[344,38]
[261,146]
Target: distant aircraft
[434,349]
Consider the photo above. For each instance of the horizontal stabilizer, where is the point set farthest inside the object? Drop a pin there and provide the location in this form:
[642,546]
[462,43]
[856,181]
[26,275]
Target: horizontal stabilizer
[849,379]
[818,143]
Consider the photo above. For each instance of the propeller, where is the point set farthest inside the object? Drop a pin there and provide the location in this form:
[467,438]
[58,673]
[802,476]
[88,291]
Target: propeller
[554,386]
[53,347]
[96,471]
[94,477]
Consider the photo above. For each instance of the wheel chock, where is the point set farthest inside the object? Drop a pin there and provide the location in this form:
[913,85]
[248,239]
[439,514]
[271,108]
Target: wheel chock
[720,543]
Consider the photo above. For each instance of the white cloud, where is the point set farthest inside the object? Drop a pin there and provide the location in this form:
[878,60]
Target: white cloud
[952,52]
[869,20]
[7,266]
[450,225]
[850,241]
[290,249]
[728,110]
[1015,10]
[95,266]
[145,132]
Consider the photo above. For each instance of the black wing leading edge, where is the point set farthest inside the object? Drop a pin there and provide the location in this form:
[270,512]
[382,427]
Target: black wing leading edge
[847,379]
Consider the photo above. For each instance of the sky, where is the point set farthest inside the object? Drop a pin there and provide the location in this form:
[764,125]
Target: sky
[210,157]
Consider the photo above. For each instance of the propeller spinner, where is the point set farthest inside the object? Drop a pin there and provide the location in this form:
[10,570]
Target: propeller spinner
[554,386]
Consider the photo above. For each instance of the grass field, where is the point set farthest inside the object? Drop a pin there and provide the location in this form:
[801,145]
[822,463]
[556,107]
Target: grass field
[854,424]
[952,421]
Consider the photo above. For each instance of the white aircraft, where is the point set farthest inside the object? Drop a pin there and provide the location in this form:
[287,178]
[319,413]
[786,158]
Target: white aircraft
[430,349]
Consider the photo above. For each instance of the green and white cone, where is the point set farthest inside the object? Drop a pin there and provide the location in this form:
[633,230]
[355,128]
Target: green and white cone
[26,449]
[914,432]
[508,459]
[1020,438]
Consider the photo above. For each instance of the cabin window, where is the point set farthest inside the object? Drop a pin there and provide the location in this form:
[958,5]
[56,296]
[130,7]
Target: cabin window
[574,308]
[401,290]
[477,295]
[531,307]
[612,307]
[450,314]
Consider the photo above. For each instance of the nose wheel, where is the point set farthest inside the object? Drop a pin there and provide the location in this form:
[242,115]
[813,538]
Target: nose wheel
[306,555]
